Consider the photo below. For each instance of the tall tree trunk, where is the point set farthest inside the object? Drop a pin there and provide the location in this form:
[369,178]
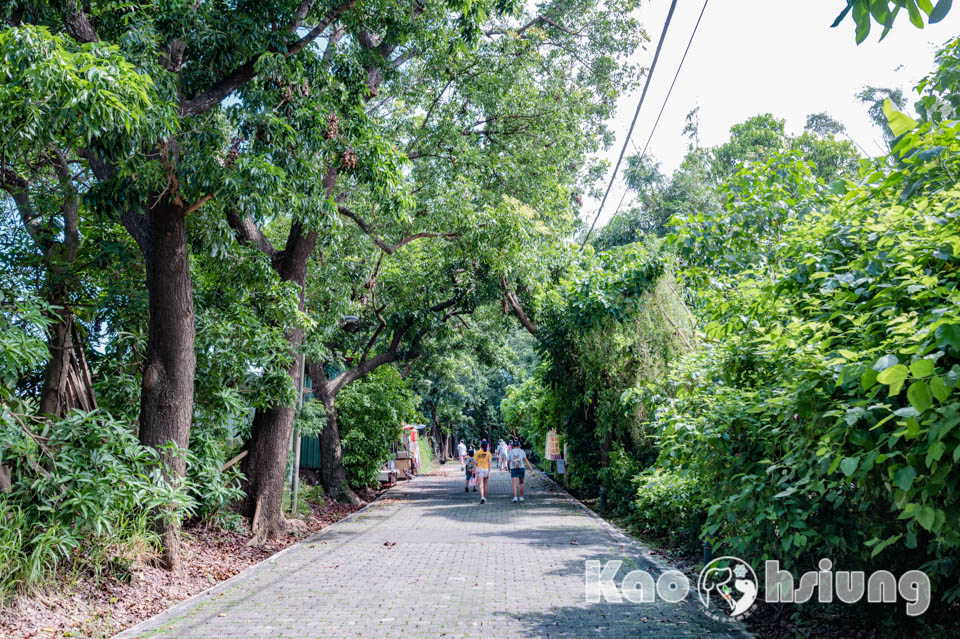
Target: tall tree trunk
[166,402]
[266,464]
[333,475]
[439,445]
[266,469]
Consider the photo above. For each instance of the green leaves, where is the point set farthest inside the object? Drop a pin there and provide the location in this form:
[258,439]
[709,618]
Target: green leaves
[926,517]
[939,390]
[372,412]
[885,362]
[919,396]
[861,287]
[894,376]
[883,14]
[900,123]
[882,545]
[948,335]
[54,91]
[903,479]
[922,368]
[861,16]
[914,13]
[940,11]
[849,465]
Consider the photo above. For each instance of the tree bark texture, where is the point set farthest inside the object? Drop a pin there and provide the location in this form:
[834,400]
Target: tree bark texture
[166,402]
[265,467]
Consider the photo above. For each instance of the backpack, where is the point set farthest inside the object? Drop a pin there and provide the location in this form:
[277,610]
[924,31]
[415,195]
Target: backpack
[471,464]
[516,457]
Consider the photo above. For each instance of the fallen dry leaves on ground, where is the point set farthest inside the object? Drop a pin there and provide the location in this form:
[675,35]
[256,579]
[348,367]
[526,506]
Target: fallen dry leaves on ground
[89,609]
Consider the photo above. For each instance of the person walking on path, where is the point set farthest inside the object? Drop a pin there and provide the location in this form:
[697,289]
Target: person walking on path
[462,453]
[469,466]
[502,455]
[517,460]
[483,457]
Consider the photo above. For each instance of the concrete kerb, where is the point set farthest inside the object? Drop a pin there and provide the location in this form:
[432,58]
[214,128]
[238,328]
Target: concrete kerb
[628,541]
[177,609]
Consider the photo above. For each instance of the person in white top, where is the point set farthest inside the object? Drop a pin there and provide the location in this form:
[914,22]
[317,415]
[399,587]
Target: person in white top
[462,453]
[517,459]
[502,455]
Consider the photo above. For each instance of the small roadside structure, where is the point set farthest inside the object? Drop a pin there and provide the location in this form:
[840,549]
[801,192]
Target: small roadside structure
[406,451]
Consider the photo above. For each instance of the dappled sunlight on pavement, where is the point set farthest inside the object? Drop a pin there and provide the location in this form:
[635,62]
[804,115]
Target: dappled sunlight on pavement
[428,560]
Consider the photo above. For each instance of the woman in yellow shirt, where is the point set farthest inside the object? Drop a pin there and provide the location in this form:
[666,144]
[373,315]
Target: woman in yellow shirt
[482,472]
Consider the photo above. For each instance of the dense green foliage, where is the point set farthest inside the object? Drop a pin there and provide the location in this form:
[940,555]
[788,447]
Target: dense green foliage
[372,412]
[301,163]
[86,506]
[856,324]
[617,322]
[762,351]
[815,412]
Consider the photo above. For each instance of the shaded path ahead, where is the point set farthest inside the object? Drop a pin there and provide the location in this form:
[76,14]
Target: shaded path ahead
[427,560]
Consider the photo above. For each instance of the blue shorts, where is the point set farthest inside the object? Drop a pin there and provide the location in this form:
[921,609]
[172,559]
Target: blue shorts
[469,475]
[518,472]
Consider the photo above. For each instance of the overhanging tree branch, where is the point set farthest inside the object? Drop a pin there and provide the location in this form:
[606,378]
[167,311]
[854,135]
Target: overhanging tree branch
[393,352]
[247,232]
[517,308]
[388,248]
[247,71]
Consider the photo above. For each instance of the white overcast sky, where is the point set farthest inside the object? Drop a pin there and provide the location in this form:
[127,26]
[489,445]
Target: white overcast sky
[774,56]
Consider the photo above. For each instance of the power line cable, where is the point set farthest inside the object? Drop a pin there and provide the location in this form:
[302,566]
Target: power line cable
[666,99]
[653,66]
[675,76]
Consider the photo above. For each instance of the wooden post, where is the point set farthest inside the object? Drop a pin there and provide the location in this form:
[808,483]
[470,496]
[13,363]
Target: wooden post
[295,482]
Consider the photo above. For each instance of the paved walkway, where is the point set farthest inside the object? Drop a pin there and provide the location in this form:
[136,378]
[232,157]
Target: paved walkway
[428,561]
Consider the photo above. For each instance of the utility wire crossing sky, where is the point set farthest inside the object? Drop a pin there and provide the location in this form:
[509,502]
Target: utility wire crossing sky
[772,57]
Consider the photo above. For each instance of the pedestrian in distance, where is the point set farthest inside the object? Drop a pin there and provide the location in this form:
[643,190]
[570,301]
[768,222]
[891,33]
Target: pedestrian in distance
[469,466]
[502,455]
[483,457]
[462,453]
[517,461]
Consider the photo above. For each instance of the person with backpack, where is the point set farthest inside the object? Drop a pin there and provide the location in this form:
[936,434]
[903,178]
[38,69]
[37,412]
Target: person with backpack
[469,465]
[482,472]
[516,460]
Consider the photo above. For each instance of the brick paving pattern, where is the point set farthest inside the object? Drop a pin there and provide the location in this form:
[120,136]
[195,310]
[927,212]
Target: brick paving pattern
[428,561]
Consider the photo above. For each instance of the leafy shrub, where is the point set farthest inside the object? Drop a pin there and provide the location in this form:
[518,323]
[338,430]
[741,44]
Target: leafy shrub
[211,489]
[83,489]
[617,480]
[822,420]
[371,412]
[22,343]
[618,324]
[669,505]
